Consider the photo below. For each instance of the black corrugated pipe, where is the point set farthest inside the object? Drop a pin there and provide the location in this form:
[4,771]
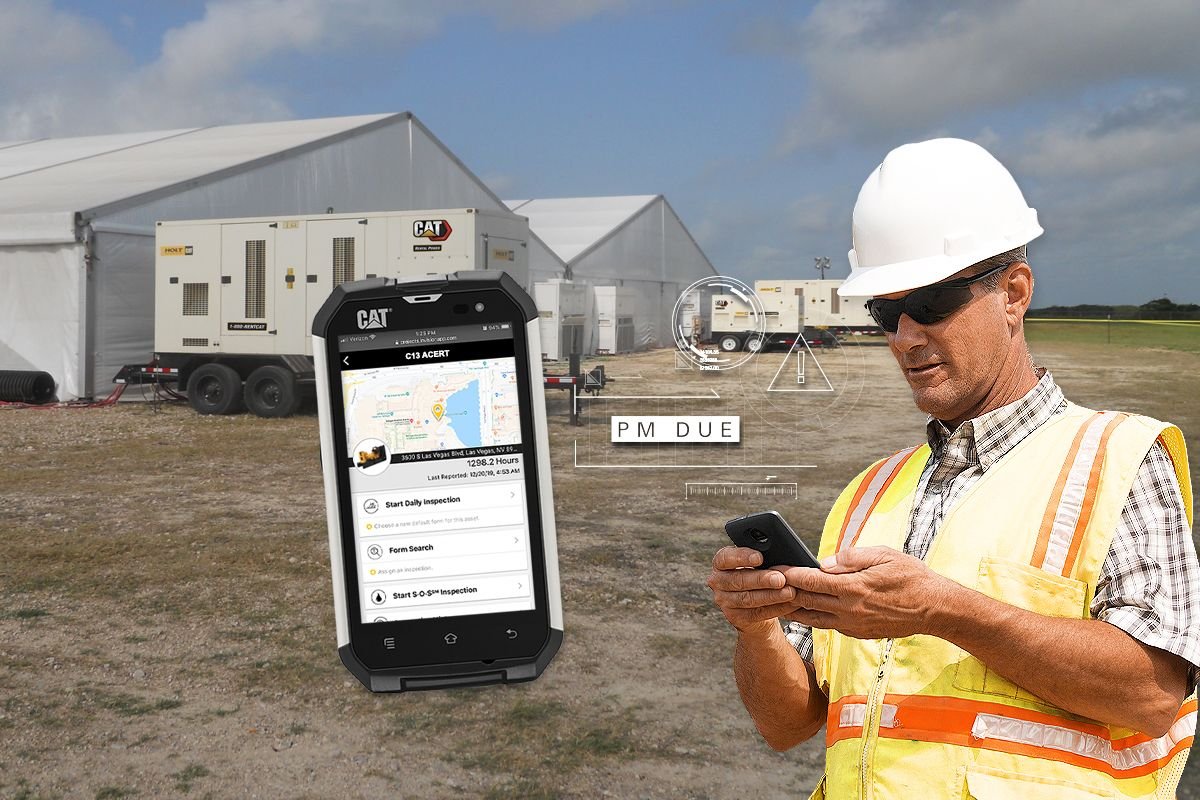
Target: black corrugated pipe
[25,386]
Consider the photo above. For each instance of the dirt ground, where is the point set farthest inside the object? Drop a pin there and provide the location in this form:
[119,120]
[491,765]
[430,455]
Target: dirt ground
[166,625]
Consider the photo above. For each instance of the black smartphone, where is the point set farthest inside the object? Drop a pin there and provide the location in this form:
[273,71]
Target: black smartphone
[437,481]
[769,533]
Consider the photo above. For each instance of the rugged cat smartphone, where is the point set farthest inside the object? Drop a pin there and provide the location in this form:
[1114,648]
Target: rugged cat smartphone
[437,481]
[769,533]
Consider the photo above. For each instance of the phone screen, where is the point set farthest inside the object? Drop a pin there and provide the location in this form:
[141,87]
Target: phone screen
[436,467]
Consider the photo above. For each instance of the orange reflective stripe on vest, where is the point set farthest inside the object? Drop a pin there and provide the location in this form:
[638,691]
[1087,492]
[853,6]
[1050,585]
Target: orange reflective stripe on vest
[1010,729]
[901,709]
[873,485]
[1070,507]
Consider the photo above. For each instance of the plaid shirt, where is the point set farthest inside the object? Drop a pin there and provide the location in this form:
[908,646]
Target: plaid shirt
[1149,584]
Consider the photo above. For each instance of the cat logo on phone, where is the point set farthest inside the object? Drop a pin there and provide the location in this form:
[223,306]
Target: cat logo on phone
[373,318]
[435,230]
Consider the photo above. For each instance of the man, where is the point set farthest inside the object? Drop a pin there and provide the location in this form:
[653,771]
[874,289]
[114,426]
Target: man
[1013,609]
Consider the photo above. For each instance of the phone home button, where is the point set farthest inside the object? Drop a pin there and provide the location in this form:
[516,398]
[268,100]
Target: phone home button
[451,638]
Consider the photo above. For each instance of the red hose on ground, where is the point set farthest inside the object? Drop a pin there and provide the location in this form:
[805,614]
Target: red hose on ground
[112,398]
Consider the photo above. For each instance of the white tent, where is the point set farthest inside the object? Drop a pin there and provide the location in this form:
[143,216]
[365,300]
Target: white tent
[635,241]
[77,220]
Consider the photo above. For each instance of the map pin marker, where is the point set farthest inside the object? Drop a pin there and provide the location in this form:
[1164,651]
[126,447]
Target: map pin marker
[438,410]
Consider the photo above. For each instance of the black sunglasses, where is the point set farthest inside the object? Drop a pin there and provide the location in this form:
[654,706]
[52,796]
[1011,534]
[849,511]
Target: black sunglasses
[929,304]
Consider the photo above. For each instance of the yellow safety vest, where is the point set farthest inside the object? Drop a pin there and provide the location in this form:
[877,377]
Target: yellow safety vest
[918,717]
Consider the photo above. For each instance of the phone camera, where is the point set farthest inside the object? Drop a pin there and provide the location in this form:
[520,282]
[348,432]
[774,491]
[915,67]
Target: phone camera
[479,306]
[759,536]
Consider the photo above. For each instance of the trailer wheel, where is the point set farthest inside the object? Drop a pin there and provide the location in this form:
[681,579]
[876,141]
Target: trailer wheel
[215,389]
[729,343]
[754,344]
[271,392]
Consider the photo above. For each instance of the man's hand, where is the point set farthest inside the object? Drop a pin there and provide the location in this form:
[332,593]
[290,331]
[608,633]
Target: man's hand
[747,596]
[867,593]
[778,688]
[1085,666]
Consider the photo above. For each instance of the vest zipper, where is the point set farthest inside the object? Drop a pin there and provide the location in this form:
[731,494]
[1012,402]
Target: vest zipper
[871,721]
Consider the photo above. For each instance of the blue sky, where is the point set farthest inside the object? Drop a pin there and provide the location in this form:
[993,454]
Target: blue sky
[758,121]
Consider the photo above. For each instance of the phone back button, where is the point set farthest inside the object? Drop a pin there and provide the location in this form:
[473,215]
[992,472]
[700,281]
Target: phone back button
[451,638]
[511,633]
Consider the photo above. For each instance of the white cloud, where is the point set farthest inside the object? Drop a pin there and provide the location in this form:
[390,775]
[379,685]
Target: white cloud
[766,252]
[68,76]
[63,74]
[39,47]
[811,214]
[1118,194]
[1096,110]
[40,39]
[501,184]
[1122,175]
[766,260]
[987,138]
[234,35]
[546,14]
[1156,129]
[880,69]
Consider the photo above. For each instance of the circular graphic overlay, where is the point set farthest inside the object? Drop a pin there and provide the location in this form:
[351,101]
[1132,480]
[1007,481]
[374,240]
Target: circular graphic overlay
[371,456]
[739,314]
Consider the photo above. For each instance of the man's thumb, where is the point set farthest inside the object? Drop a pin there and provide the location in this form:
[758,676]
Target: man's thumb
[850,559]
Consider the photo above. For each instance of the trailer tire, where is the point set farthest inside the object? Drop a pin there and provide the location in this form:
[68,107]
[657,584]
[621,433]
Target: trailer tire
[215,389]
[271,391]
[729,343]
[754,344]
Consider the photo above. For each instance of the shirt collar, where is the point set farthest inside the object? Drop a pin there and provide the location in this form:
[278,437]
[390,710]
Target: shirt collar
[989,437]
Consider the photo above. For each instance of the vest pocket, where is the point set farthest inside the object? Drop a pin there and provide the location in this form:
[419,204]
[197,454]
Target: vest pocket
[996,785]
[1018,584]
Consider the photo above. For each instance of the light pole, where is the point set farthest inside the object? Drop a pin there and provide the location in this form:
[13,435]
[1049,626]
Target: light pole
[822,264]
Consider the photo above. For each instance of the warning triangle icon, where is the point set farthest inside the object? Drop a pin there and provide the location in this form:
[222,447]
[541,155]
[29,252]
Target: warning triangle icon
[800,371]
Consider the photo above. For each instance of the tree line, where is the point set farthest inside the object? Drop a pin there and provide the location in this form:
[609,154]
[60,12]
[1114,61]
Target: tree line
[1162,308]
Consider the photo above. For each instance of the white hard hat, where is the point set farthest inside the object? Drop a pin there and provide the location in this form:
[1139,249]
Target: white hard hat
[929,210]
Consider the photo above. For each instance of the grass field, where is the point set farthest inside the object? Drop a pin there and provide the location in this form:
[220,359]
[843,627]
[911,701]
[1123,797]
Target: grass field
[1154,334]
[166,620]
